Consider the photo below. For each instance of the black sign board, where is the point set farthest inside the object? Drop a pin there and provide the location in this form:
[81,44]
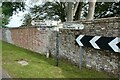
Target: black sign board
[98,42]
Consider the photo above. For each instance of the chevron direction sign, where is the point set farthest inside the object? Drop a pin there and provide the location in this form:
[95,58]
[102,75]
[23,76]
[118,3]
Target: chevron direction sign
[98,42]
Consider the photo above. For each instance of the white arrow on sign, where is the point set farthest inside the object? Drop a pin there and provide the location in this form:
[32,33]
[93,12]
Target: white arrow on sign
[78,40]
[113,44]
[93,40]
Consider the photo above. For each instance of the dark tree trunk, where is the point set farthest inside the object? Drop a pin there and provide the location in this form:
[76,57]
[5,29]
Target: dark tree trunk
[78,12]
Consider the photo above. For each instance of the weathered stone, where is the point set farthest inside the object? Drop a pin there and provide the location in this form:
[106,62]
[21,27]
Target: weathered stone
[23,63]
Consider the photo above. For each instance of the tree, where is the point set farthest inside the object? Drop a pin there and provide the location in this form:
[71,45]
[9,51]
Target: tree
[69,11]
[78,11]
[107,9]
[10,8]
[0,17]
[49,11]
[104,9]
[91,9]
[64,10]
[27,20]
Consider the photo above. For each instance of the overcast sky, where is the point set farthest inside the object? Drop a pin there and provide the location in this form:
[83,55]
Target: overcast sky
[16,20]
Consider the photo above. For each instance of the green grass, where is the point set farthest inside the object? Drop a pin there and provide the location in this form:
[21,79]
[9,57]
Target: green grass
[41,67]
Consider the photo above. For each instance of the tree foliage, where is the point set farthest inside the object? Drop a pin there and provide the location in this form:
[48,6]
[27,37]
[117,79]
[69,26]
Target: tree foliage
[9,8]
[27,20]
[104,9]
[107,9]
[49,11]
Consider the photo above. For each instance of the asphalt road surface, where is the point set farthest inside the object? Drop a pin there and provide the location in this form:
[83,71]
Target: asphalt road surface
[5,74]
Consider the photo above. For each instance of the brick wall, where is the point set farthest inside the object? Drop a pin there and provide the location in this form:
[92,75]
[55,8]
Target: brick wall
[31,38]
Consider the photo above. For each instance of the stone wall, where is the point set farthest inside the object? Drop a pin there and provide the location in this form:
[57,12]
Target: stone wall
[44,41]
[101,60]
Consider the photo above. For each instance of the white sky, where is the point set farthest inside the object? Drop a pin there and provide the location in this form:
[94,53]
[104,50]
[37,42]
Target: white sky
[16,20]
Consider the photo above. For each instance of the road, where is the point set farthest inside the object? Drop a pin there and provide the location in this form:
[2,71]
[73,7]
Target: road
[4,74]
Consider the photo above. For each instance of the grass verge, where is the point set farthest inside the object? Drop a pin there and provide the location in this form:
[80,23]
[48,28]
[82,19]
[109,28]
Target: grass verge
[39,66]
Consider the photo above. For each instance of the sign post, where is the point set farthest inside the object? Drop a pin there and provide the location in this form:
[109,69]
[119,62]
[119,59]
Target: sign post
[99,42]
[57,47]
[119,68]
[80,57]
